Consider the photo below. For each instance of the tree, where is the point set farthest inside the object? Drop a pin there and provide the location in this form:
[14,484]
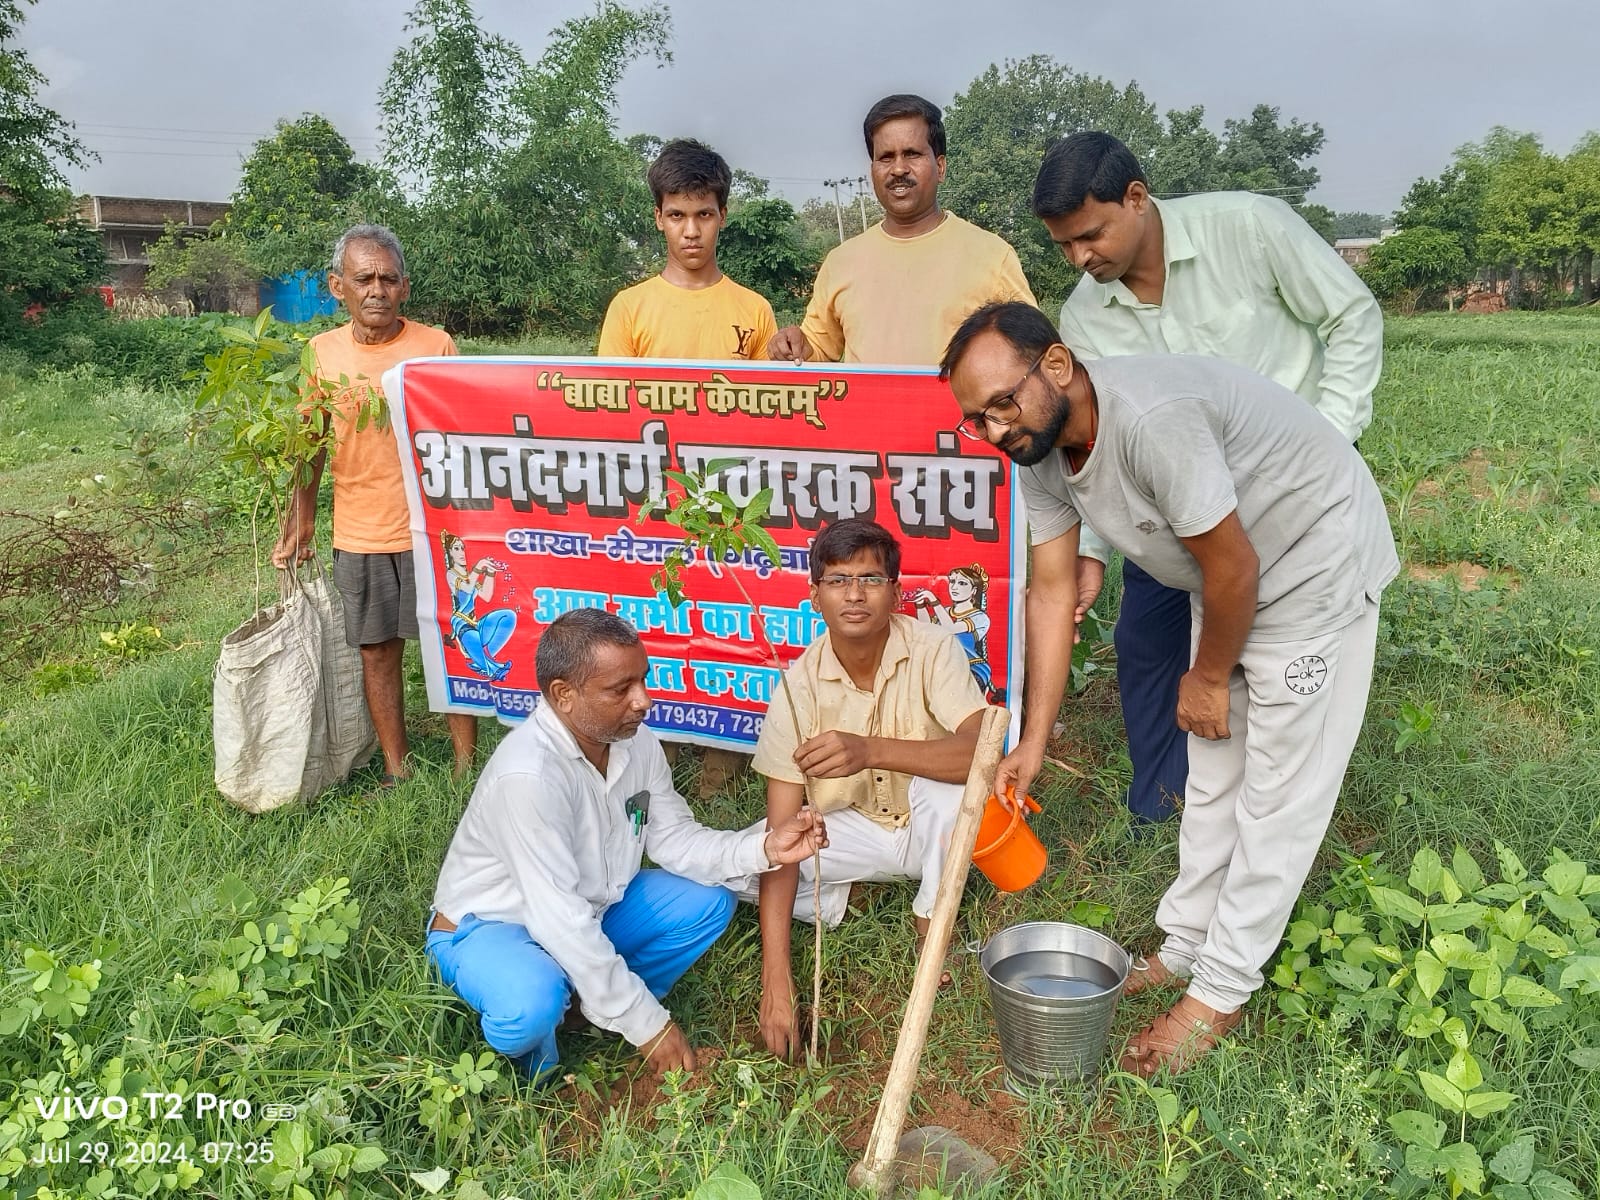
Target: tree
[1358,224]
[545,229]
[1414,262]
[998,131]
[298,191]
[764,247]
[46,254]
[1260,154]
[207,269]
[447,101]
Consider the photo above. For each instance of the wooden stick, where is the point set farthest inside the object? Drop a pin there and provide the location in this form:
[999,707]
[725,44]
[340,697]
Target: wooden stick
[875,1170]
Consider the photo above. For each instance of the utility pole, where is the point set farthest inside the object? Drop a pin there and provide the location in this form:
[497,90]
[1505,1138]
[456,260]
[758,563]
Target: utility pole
[838,212]
[861,199]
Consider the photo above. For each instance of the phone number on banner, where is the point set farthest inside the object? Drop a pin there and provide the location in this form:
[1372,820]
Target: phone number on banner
[705,719]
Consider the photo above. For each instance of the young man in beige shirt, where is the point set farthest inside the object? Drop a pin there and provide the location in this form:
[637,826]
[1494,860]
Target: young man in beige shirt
[888,716]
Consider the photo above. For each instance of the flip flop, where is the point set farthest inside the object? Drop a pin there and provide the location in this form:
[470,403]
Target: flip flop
[1178,1038]
[1148,973]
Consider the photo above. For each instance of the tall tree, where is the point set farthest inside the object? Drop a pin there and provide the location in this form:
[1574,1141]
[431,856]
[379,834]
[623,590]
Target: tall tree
[764,247]
[1262,154]
[1358,224]
[447,101]
[45,253]
[297,192]
[1415,262]
[998,130]
[556,220]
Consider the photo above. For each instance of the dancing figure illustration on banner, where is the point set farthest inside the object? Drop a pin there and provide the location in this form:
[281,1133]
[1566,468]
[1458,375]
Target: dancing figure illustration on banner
[479,638]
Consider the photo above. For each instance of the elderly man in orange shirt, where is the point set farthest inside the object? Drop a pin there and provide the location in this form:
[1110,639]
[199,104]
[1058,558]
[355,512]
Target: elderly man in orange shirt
[372,565]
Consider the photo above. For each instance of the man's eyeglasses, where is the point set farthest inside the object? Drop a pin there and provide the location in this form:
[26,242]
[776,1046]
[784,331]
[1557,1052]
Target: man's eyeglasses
[871,583]
[999,412]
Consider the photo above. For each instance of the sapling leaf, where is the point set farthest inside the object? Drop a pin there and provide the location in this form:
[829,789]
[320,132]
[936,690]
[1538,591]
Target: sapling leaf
[1430,973]
[764,542]
[678,477]
[1522,992]
[718,465]
[1511,868]
[1463,1070]
[1582,973]
[1513,1162]
[1483,1104]
[1425,871]
[1587,1057]
[760,504]
[1393,903]
[1452,917]
[1546,1185]
[1466,869]
[1417,1128]
[1548,941]
[1487,983]
[1442,1092]
[1565,878]
[1501,1020]
[1462,1166]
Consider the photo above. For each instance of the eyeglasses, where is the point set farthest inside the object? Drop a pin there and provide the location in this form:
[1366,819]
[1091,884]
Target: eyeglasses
[999,412]
[871,583]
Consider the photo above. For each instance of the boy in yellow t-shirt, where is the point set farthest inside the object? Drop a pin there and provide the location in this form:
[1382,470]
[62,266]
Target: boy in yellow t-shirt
[690,310]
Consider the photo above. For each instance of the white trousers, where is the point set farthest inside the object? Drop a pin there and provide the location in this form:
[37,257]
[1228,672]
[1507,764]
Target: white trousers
[862,851]
[1258,803]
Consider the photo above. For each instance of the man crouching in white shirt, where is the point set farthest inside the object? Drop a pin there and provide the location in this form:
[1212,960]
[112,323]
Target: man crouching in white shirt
[541,896]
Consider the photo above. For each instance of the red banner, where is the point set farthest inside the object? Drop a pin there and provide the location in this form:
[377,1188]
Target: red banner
[526,477]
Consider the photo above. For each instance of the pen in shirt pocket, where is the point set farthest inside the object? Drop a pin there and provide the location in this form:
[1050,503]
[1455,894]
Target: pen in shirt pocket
[637,809]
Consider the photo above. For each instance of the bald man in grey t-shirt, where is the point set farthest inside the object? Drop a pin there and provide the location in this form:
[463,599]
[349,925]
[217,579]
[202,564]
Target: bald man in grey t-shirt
[1222,483]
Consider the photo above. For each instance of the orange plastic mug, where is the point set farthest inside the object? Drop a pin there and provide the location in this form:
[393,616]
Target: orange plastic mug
[1007,851]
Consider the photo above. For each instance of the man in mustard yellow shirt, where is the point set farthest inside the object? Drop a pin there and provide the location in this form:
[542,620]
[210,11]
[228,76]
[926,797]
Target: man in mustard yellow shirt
[888,716]
[896,293]
[690,310]
[372,565]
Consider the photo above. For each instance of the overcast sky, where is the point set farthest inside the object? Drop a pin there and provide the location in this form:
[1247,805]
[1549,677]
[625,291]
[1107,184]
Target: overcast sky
[172,94]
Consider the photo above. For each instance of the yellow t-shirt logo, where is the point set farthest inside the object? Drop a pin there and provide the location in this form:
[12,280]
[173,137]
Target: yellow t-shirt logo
[742,349]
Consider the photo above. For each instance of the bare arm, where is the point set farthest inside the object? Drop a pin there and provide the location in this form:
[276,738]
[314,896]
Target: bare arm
[300,516]
[1051,616]
[780,1029]
[1230,574]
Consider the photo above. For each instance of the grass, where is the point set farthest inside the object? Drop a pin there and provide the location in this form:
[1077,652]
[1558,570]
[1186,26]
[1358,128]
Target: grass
[114,845]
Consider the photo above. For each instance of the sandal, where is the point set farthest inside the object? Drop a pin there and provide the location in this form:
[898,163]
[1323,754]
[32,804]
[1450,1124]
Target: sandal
[1178,1038]
[1148,973]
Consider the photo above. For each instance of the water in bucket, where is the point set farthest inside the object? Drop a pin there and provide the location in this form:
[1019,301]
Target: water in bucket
[1053,988]
[1053,973]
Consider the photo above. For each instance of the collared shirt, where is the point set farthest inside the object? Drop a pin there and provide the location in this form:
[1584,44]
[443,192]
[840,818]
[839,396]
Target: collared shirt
[883,299]
[1184,441]
[923,691]
[1249,281]
[546,842]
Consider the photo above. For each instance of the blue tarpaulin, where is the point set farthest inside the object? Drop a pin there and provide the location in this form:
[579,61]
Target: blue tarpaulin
[298,297]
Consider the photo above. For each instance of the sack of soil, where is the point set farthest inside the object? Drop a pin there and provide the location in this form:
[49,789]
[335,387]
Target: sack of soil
[289,718]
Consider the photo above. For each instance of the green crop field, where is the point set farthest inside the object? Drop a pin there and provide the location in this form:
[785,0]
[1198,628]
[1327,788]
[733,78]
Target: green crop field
[1432,1027]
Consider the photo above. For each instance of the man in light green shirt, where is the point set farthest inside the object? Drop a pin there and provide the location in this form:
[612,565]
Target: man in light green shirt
[1230,275]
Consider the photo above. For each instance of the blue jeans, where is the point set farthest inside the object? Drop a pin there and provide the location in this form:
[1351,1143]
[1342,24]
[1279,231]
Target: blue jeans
[662,924]
[1152,640]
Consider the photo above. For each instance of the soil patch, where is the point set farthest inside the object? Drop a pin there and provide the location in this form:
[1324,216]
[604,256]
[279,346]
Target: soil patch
[1468,576]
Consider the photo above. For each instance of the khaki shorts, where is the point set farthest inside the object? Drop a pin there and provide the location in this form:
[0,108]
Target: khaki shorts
[380,596]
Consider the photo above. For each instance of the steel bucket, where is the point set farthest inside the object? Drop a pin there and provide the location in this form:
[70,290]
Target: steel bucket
[1054,989]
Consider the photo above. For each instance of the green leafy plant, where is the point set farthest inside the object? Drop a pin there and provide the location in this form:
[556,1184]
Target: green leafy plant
[721,530]
[131,640]
[1457,969]
[1416,725]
